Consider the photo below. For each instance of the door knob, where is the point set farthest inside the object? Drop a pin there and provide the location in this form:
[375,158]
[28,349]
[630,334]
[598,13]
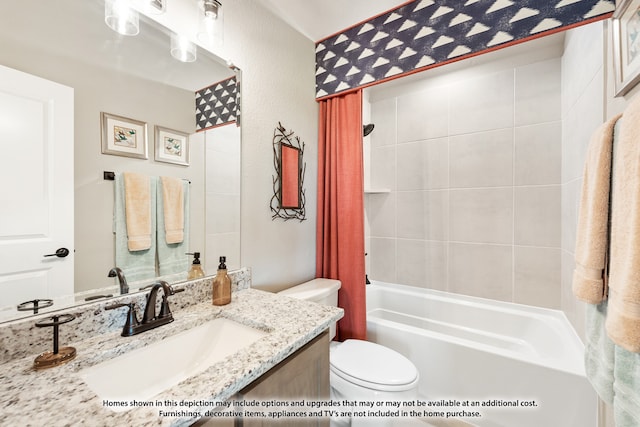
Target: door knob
[60,253]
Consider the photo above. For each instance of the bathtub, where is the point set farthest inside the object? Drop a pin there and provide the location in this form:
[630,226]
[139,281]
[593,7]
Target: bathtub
[481,350]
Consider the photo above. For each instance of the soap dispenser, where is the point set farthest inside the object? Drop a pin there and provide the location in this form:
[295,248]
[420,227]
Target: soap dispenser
[196,270]
[221,285]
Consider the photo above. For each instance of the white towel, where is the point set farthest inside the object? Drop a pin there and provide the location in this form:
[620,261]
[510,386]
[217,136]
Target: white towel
[592,236]
[137,197]
[136,265]
[173,206]
[172,257]
[623,313]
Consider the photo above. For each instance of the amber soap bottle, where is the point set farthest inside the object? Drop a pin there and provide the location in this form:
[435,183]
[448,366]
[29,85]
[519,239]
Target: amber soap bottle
[222,285]
[196,270]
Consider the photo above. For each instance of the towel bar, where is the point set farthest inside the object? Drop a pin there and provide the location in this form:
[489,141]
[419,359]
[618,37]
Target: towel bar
[111,176]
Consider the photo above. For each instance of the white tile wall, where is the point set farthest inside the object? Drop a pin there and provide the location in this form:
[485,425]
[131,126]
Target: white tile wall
[384,118]
[537,272]
[482,159]
[582,112]
[473,169]
[422,214]
[482,103]
[537,158]
[482,215]
[481,270]
[537,216]
[535,103]
[425,164]
[423,115]
[222,189]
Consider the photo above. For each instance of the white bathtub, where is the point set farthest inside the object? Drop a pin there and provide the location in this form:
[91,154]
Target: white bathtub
[475,349]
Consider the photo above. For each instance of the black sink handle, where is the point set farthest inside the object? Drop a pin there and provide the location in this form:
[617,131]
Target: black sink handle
[132,319]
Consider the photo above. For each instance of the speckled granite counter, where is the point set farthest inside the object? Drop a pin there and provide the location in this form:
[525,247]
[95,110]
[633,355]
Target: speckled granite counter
[59,397]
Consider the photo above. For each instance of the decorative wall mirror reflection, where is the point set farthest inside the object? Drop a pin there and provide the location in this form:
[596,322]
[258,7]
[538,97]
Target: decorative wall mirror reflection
[134,77]
[288,201]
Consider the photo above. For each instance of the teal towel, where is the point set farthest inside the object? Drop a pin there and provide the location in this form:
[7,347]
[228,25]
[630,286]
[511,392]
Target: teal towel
[138,265]
[172,258]
[599,354]
[626,388]
[612,371]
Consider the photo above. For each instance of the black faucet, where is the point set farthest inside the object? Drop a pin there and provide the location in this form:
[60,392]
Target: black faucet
[149,320]
[150,309]
[116,271]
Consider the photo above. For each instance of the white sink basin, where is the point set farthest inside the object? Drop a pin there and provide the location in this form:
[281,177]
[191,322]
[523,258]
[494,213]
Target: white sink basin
[143,373]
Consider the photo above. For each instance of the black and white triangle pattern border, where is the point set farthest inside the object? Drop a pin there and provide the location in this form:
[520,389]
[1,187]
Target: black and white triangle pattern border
[217,104]
[427,32]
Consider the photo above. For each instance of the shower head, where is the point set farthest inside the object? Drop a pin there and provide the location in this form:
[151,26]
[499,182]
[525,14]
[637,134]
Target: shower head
[367,129]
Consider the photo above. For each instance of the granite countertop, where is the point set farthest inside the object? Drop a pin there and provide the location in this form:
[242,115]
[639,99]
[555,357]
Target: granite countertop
[59,397]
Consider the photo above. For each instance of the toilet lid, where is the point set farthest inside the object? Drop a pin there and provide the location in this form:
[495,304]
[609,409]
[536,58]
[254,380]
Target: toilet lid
[372,365]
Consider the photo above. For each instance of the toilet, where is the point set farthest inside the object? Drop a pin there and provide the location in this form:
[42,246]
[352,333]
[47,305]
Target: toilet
[360,370]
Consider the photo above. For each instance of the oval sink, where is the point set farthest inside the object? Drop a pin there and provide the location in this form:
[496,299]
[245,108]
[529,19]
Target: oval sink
[143,373]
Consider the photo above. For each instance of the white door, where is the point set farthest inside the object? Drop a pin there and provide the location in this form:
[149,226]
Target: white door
[36,189]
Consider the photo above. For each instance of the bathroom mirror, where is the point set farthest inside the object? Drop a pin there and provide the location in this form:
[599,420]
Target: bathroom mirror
[290,166]
[288,201]
[67,42]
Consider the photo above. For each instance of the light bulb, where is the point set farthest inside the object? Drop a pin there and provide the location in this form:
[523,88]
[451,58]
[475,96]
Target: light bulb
[182,49]
[210,30]
[121,17]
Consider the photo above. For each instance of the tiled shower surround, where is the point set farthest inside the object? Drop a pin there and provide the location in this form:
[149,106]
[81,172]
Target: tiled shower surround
[473,164]
[485,171]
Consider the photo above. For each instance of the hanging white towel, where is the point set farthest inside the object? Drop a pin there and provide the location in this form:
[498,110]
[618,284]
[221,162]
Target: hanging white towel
[623,315]
[137,198]
[172,257]
[592,236]
[141,264]
[173,206]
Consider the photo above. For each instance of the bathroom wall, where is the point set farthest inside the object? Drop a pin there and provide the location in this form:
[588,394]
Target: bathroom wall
[278,85]
[472,162]
[583,110]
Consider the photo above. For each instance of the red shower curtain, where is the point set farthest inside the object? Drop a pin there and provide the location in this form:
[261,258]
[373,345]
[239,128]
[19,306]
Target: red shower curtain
[340,226]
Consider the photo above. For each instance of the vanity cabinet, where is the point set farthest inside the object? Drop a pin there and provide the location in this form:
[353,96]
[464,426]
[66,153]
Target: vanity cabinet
[303,375]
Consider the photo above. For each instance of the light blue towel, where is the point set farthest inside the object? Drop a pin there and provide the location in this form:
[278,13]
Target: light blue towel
[172,258]
[138,265]
[599,354]
[626,388]
[613,371]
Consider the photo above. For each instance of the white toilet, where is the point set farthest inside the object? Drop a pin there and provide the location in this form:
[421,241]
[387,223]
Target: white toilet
[360,370]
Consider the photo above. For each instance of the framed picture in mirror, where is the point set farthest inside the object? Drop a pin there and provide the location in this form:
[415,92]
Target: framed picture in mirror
[122,136]
[626,45]
[172,146]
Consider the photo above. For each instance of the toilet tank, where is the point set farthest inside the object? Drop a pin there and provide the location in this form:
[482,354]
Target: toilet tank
[321,291]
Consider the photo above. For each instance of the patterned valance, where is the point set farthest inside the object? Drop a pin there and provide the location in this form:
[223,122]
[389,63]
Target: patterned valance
[425,33]
[218,104]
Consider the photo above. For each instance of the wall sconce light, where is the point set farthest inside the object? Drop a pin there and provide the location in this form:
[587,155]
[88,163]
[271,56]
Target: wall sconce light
[121,17]
[182,49]
[210,30]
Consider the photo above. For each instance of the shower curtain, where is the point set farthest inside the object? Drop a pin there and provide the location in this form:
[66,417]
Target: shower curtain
[340,226]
